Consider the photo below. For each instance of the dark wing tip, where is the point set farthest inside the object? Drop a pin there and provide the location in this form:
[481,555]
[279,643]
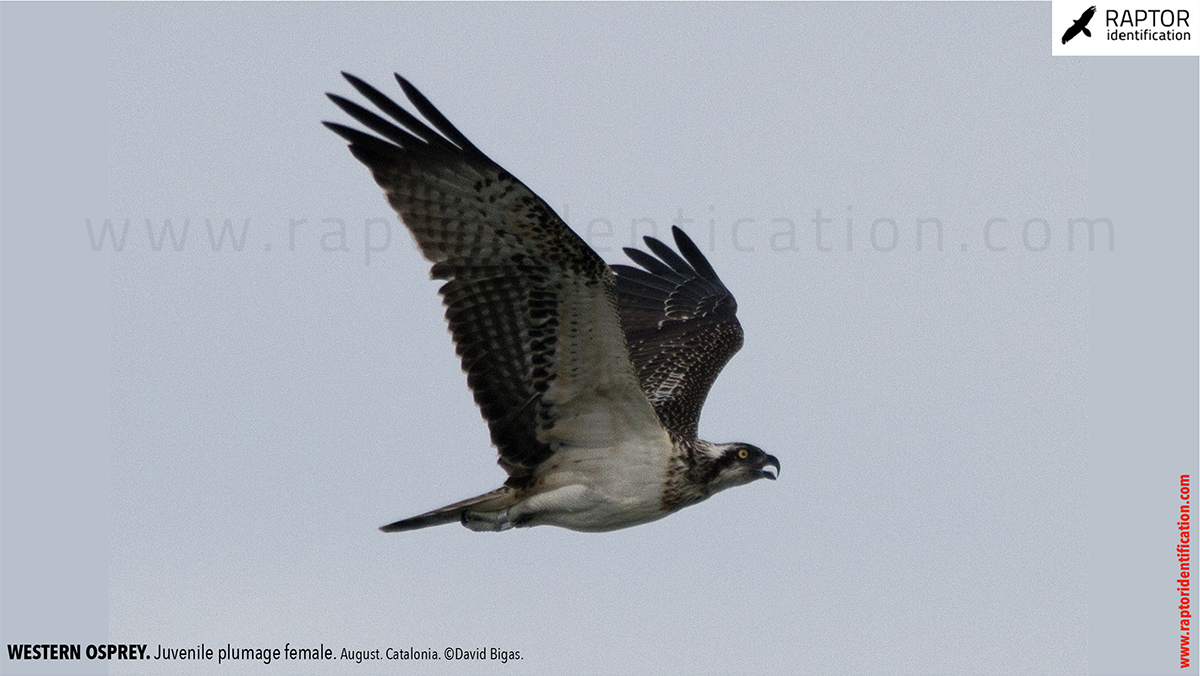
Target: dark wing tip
[669,263]
[342,102]
[667,255]
[349,133]
[370,150]
[693,254]
[435,116]
[652,264]
[410,133]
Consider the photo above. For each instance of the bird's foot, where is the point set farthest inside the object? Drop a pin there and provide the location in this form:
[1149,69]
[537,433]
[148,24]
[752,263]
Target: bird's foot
[487,521]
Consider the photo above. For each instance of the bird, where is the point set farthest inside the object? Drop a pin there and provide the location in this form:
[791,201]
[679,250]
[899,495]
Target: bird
[1080,25]
[590,377]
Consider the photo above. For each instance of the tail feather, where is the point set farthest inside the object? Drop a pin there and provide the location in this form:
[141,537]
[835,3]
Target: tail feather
[499,499]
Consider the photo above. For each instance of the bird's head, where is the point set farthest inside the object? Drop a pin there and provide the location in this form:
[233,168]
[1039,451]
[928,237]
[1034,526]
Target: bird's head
[737,464]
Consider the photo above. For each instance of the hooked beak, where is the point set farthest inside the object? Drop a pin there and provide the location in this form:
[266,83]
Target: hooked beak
[769,461]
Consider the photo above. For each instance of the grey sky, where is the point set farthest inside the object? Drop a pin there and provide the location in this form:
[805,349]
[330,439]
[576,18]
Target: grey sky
[273,403]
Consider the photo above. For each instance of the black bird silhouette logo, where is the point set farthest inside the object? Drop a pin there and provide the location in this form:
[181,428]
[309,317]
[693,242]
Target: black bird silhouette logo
[1080,25]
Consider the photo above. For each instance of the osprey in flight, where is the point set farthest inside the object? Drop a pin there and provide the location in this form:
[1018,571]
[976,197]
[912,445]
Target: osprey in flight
[590,377]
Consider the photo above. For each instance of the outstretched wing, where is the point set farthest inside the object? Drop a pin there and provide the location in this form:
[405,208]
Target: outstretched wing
[681,325]
[531,307]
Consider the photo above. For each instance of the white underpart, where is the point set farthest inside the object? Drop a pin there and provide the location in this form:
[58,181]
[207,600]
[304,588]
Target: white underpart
[611,451]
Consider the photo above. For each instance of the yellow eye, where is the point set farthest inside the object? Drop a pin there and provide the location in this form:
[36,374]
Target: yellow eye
[743,454]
